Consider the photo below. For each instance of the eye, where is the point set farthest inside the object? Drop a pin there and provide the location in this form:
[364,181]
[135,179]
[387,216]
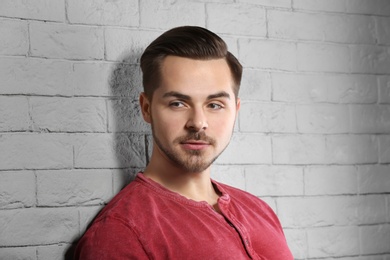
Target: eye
[215,106]
[177,104]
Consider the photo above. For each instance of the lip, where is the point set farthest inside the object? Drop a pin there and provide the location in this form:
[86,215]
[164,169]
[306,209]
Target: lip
[194,145]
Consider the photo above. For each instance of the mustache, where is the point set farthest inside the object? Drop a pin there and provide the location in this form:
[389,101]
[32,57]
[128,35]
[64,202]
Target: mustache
[197,136]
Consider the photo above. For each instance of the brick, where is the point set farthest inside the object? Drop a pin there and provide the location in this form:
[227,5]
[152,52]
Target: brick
[255,85]
[267,54]
[35,76]
[323,57]
[322,118]
[87,215]
[299,88]
[14,114]
[318,211]
[264,180]
[370,59]
[247,149]
[149,146]
[375,239]
[14,37]
[383,29]
[120,13]
[92,79]
[270,3]
[334,27]
[271,202]
[370,119]
[109,151]
[374,179]
[56,114]
[127,45]
[231,42]
[17,189]
[126,81]
[122,177]
[229,174]
[73,187]
[125,116]
[332,88]
[299,149]
[66,41]
[18,253]
[360,29]
[47,10]
[267,117]
[35,151]
[35,226]
[320,180]
[332,241]
[321,5]
[352,149]
[388,207]
[212,1]
[163,14]
[384,89]
[384,148]
[241,19]
[296,240]
[366,257]
[379,7]
[54,252]
[107,79]
[372,209]
[353,89]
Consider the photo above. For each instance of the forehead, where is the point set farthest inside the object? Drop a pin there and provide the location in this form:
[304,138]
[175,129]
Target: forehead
[192,76]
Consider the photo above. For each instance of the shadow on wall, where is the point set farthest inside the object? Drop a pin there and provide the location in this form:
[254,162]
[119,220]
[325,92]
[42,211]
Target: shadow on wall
[131,135]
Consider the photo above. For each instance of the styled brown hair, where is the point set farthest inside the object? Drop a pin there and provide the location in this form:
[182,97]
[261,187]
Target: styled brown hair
[189,42]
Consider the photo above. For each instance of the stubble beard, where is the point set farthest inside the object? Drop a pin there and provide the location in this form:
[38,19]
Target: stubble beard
[192,161]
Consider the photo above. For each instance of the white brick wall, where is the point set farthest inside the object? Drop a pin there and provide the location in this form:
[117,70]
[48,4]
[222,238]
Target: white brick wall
[312,137]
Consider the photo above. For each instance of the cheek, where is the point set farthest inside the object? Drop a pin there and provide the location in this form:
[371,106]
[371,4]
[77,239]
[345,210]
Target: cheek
[166,125]
[228,117]
[223,125]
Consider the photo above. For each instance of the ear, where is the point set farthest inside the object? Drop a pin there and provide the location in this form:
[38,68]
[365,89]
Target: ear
[238,104]
[145,107]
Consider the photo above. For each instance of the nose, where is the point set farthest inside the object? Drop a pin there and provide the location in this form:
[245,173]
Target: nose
[197,120]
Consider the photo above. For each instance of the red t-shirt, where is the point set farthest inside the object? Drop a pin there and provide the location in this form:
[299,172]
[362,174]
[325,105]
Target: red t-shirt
[147,221]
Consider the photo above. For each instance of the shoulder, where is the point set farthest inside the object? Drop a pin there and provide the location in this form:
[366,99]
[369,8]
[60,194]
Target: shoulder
[129,203]
[110,238]
[114,233]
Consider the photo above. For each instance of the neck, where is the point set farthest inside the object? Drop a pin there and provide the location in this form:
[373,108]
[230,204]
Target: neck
[196,186]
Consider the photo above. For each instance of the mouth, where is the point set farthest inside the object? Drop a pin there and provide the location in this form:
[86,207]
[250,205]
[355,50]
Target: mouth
[195,144]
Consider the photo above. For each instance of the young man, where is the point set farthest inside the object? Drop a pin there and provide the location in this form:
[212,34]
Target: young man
[173,210]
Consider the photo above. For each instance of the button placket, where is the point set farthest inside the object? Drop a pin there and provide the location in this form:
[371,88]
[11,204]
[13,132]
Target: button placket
[239,229]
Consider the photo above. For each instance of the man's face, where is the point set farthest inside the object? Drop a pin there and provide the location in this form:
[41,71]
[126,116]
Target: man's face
[192,112]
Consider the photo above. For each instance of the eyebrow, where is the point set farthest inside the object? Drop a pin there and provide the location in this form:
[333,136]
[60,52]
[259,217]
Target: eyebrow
[222,94]
[176,95]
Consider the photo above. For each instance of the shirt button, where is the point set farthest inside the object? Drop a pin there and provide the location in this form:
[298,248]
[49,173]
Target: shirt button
[225,197]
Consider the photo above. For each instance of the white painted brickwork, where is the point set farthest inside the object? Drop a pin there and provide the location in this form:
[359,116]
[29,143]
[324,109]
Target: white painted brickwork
[312,137]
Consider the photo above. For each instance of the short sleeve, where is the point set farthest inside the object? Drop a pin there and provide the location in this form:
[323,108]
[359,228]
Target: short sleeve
[112,239]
